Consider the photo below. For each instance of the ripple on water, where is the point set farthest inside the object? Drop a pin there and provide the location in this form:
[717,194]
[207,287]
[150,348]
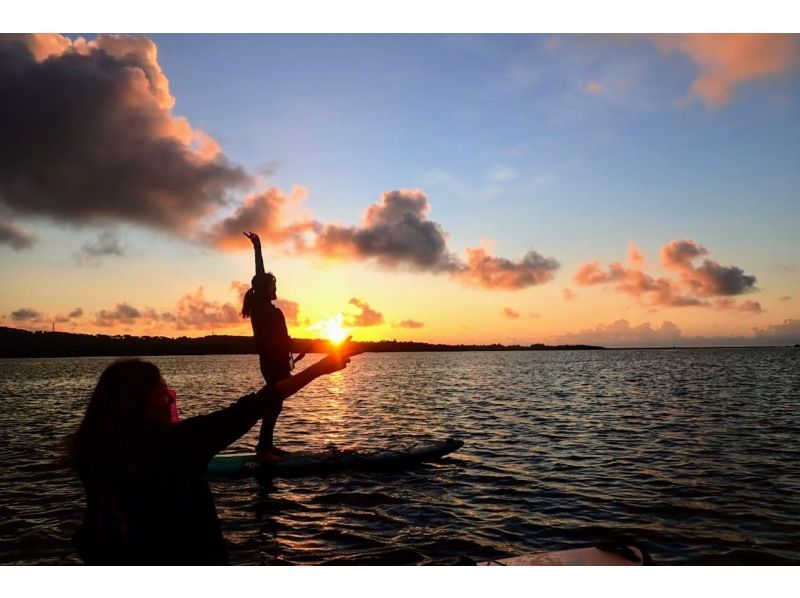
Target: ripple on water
[691,452]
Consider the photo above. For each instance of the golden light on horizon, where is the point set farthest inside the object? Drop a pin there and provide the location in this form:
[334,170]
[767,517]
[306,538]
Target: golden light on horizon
[332,329]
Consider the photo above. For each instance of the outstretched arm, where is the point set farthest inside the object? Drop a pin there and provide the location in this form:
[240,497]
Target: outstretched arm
[257,248]
[211,433]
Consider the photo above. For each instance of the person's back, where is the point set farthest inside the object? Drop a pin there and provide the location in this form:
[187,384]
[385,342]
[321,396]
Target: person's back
[158,510]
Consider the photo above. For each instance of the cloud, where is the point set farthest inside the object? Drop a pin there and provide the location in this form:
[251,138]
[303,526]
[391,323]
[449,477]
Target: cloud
[568,294]
[785,333]
[76,313]
[785,298]
[395,232]
[291,311]
[693,287]
[193,310]
[16,236]
[728,61]
[533,314]
[24,314]
[594,88]
[708,280]
[277,218]
[365,316]
[105,244]
[408,324]
[122,313]
[502,174]
[510,313]
[87,135]
[621,333]
[489,272]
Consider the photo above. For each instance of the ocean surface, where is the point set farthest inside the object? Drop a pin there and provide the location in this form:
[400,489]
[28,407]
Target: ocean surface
[691,452]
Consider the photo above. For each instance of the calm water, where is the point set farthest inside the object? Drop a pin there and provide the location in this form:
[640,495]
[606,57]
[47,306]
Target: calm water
[692,452]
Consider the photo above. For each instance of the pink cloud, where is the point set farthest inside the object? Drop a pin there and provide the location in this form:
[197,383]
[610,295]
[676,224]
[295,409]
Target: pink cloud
[487,271]
[622,333]
[568,294]
[408,324]
[510,313]
[594,88]
[694,285]
[727,61]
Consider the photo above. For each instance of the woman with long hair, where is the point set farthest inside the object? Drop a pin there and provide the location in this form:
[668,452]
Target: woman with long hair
[273,345]
[147,500]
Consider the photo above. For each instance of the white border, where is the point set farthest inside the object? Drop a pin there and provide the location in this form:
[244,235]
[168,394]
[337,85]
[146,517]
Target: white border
[400,16]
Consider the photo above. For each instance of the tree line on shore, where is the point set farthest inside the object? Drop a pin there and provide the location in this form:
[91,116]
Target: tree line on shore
[15,342]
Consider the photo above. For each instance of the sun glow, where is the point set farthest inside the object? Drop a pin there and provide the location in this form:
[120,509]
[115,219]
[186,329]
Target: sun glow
[332,329]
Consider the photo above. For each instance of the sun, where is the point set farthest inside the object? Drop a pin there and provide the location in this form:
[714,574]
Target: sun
[333,330]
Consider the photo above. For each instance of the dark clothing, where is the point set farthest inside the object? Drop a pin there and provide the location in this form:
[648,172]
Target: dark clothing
[272,341]
[159,509]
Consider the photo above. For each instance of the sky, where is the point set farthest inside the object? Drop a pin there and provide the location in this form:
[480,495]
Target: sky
[622,190]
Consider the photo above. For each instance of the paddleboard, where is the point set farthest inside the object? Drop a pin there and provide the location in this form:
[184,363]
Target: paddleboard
[333,459]
[602,555]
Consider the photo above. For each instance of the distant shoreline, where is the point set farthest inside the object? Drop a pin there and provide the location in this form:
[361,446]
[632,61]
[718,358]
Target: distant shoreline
[17,343]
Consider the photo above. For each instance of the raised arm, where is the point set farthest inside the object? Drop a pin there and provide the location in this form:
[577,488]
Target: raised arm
[257,249]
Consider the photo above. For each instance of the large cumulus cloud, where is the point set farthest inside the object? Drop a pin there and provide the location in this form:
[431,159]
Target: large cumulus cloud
[87,134]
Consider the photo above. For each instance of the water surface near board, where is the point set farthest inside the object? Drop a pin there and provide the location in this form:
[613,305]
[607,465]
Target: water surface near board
[692,452]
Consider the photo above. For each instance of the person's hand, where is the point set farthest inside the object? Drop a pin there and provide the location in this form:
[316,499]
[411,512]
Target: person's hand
[253,239]
[337,359]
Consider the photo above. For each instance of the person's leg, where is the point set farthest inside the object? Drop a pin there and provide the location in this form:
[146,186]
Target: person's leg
[266,434]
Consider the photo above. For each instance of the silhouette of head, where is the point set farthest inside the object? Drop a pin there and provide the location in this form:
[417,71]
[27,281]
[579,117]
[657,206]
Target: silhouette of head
[130,397]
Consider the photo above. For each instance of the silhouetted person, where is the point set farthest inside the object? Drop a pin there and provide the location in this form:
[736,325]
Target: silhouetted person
[147,500]
[272,344]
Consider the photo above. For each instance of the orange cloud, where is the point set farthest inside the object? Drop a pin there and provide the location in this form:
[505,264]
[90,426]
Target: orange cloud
[693,286]
[510,313]
[408,324]
[727,61]
[568,294]
[365,315]
[594,88]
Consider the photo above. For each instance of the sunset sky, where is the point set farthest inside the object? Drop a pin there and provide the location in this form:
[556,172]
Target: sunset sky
[624,190]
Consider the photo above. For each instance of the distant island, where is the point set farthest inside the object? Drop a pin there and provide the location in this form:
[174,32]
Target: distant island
[23,343]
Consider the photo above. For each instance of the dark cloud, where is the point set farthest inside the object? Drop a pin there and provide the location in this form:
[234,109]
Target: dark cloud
[395,232]
[408,324]
[87,135]
[786,298]
[122,313]
[365,315]
[510,313]
[693,287]
[785,333]
[24,314]
[105,244]
[76,313]
[490,272]
[14,235]
[709,279]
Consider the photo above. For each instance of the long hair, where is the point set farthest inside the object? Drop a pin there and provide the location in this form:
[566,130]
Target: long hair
[258,287]
[114,430]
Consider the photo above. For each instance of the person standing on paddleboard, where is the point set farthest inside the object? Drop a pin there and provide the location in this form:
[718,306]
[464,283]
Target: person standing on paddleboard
[272,344]
[147,499]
